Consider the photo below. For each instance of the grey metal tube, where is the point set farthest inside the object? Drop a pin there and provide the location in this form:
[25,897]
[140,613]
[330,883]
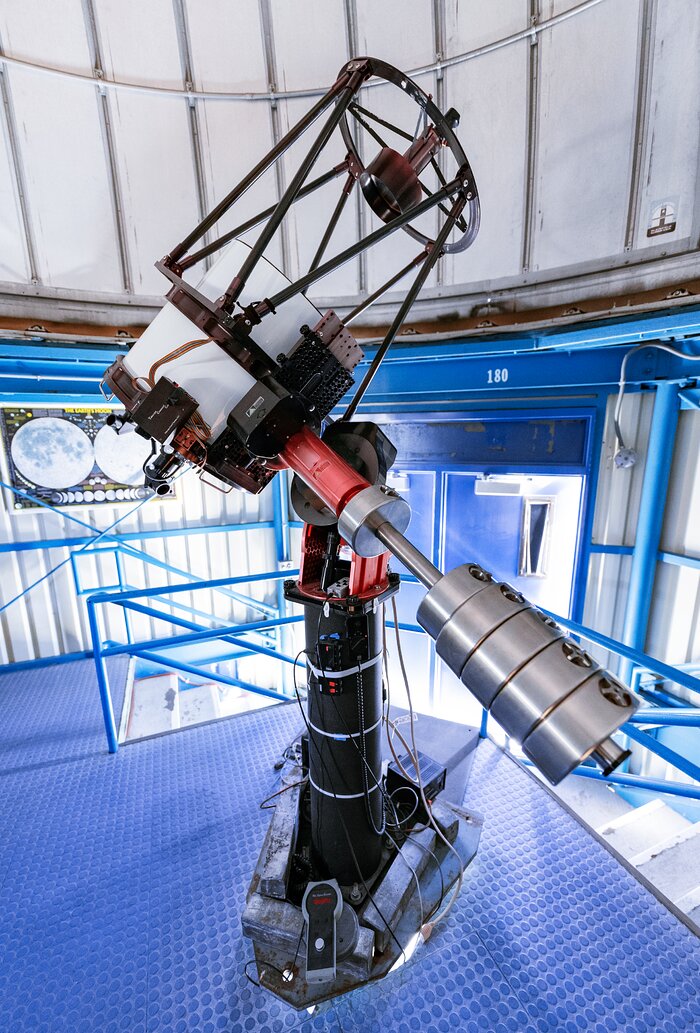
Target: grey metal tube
[410,556]
[609,755]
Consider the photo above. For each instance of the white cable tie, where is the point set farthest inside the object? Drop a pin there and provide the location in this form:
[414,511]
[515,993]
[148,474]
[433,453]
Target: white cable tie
[343,796]
[357,669]
[343,736]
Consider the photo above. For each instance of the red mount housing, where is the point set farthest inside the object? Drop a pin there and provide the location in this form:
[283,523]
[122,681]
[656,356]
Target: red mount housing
[335,482]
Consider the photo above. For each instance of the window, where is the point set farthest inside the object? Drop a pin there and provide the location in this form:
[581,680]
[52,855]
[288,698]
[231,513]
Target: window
[534,537]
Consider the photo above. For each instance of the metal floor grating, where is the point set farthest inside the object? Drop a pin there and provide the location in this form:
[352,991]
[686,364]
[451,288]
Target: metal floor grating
[122,881]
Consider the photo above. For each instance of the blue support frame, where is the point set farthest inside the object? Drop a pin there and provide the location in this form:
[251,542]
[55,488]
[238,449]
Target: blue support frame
[120,545]
[688,717]
[151,648]
[155,650]
[657,472]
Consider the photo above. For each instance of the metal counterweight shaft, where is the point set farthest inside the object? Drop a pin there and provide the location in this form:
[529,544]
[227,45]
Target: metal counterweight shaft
[408,554]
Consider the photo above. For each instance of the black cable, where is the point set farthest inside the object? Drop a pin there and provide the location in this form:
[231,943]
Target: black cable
[319,662]
[264,806]
[437,865]
[401,789]
[363,753]
[389,801]
[274,968]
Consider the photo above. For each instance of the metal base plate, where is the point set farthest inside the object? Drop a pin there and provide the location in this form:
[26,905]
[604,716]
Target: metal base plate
[281,969]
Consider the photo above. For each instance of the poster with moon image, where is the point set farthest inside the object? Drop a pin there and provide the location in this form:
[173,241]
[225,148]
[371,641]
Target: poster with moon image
[71,457]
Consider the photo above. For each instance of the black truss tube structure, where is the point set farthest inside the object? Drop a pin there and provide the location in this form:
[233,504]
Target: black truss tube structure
[417,285]
[235,331]
[381,291]
[270,158]
[286,201]
[381,121]
[362,245]
[330,228]
[255,220]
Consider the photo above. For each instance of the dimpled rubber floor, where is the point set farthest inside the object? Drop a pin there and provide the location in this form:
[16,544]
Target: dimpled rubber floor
[123,879]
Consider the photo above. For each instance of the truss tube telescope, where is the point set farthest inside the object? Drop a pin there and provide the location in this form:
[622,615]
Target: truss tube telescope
[239,377]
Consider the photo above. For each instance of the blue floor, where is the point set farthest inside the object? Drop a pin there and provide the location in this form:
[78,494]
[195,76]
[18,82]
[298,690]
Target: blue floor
[122,881]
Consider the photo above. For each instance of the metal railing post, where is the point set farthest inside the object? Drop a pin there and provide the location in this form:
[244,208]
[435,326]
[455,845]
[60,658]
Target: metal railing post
[657,471]
[102,679]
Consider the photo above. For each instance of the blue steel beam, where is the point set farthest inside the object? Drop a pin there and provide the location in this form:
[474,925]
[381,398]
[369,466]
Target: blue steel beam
[589,495]
[653,694]
[245,600]
[129,549]
[657,472]
[653,785]
[680,561]
[102,679]
[70,559]
[36,400]
[283,553]
[201,636]
[452,372]
[67,351]
[611,550]
[669,324]
[608,333]
[537,359]
[663,751]
[243,579]
[134,536]
[178,606]
[44,661]
[635,655]
[252,646]
[177,665]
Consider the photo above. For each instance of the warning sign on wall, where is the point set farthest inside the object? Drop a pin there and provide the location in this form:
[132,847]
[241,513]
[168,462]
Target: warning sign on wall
[662,219]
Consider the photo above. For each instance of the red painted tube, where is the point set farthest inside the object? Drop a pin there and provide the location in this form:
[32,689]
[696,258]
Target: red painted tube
[322,469]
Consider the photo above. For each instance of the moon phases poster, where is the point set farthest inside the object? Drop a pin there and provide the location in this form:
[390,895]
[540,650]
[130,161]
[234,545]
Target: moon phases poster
[71,457]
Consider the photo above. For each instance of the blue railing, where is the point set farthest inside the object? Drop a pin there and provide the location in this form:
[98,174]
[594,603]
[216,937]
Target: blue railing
[119,544]
[158,650]
[239,636]
[650,677]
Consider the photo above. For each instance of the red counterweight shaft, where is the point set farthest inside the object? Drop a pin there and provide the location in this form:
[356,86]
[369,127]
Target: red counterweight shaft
[322,469]
[335,482]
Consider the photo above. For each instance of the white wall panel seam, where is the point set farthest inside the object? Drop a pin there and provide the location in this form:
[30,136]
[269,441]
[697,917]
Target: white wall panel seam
[185,50]
[645,66]
[20,181]
[439,46]
[51,618]
[532,150]
[267,29]
[351,35]
[421,70]
[106,128]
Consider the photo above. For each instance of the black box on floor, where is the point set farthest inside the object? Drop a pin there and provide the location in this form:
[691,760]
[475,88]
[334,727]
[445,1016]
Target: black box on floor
[432,774]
